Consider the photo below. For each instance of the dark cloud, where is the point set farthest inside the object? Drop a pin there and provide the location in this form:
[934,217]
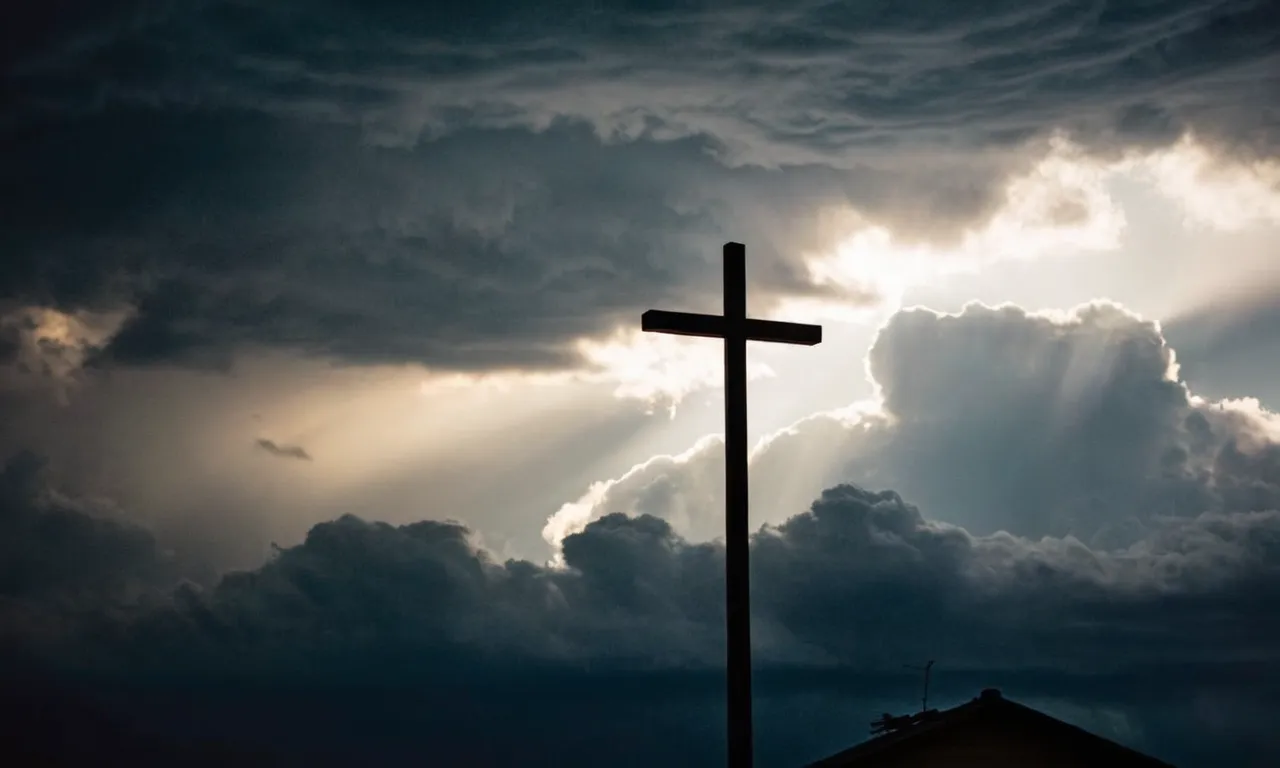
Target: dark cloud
[476,187]
[283,451]
[813,81]
[490,249]
[65,560]
[51,546]
[419,619]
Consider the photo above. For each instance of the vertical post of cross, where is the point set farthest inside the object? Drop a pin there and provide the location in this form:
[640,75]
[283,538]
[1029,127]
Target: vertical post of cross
[736,329]
[737,530]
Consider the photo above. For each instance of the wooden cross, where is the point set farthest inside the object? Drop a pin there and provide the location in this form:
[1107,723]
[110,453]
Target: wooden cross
[736,329]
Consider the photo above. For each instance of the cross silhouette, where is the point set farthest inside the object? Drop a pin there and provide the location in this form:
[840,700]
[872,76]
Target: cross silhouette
[736,329]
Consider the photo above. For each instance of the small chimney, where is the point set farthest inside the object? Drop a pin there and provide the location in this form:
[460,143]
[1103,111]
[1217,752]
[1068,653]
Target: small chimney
[990,694]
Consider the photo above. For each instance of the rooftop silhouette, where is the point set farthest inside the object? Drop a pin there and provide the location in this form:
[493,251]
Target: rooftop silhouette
[988,730]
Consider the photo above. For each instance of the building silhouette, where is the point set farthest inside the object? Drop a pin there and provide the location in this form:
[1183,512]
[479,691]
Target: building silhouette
[989,731]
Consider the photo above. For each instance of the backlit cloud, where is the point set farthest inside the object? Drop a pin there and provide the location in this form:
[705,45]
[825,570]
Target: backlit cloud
[1069,423]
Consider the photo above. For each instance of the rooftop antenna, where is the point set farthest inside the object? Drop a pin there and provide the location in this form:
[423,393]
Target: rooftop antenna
[924,700]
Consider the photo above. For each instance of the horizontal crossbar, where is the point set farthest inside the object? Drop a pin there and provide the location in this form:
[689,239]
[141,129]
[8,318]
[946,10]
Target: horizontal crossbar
[690,324]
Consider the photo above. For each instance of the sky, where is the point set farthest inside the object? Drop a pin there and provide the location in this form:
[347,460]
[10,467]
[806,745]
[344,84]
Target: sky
[328,431]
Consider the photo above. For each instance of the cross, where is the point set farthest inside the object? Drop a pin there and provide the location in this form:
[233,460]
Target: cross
[736,329]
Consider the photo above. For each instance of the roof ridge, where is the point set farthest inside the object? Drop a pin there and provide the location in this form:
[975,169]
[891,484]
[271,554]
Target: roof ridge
[988,701]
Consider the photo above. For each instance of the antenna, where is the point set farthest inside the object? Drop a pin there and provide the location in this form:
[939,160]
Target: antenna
[924,700]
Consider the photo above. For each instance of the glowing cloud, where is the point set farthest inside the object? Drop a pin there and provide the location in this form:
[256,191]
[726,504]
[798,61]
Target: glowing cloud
[658,369]
[1214,192]
[1062,206]
[45,344]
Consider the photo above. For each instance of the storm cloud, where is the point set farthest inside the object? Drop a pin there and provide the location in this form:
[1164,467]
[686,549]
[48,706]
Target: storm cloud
[476,188]
[65,559]
[845,593]
[789,87]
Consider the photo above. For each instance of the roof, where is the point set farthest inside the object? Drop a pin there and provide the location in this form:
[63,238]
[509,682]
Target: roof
[988,709]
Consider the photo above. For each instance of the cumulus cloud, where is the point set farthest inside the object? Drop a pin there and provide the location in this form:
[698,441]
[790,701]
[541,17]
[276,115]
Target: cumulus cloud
[996,418]
[54,544]
[480,190]
[633,592]
[66,560]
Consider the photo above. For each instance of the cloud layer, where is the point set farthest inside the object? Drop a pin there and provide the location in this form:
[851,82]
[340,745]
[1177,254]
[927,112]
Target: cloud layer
[792,87]
[1127,608]
[478,188]
[847,591]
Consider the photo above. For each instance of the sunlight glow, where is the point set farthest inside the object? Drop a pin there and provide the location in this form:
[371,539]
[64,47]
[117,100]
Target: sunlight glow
[1061,206]
[53,345]
[783,482]
[489,384]
[658,368]
[1213,193]
[1264,425]
[369,434]
[574,516]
